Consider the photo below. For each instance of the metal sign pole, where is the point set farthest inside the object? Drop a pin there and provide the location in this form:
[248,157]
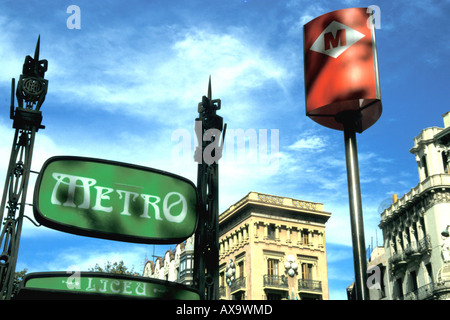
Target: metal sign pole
[210,131]
[199,262]
[350,120]
[31,91]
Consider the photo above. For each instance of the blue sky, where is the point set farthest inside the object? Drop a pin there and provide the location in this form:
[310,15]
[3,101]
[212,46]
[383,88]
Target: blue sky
[131,77]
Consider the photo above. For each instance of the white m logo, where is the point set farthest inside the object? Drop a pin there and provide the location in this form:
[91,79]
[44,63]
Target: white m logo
[335,39]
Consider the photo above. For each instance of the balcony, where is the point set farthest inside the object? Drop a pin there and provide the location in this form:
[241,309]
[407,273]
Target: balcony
[412,252]
[429,291]
[275,282]
[419,248]
[222,291]
[237,284]
[309,285]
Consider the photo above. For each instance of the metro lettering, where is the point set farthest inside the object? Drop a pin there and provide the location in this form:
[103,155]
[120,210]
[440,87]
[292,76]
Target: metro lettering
[126,201]
[332,42]
[116,287]
[102,196]
[76,189]
[147,198]
[72,184]
[167,213]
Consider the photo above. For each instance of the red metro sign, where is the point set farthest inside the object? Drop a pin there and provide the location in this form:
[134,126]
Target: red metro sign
[341,69]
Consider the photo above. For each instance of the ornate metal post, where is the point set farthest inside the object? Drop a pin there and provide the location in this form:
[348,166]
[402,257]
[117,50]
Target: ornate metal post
[208,127]
[27,118]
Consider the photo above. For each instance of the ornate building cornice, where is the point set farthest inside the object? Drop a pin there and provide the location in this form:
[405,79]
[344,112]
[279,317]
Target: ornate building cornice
[433,190]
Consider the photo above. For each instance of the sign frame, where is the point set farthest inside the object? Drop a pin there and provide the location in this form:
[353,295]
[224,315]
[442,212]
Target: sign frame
[64,227]
[70,287]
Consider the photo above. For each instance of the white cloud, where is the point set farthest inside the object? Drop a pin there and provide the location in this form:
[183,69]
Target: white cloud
[148,80]
[315,143]
[306,12]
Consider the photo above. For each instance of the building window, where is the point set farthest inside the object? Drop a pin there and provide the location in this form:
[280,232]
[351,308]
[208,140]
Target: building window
[445,161]
[394,244]
[424,230]
[182,267]
[186,265]
[274,276]
[272,267]
[399,288]
[413,280]
[271,232]
[424,165]
[307,271]
[305,239]
[415,232]
[240,269]
[382,285]
[430,273]
[402,244]
[408,236]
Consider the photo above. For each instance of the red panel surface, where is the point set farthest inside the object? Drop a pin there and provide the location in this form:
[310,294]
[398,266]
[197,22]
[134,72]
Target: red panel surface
[341,70]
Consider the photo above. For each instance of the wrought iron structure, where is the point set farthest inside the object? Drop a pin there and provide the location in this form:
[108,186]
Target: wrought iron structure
[210,132]
[275,281]
[238,284]
[310,285]
[27,118]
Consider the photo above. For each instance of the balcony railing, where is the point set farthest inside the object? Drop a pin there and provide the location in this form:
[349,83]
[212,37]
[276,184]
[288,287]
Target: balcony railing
[237,284]
[419,247]
[310,285]
[275,281]
[421,293]
[412,251]
[427,292]
[222,291]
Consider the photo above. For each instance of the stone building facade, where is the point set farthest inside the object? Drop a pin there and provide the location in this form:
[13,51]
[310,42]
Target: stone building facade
[273,247]
[177,265]
[270,247]
[415,227]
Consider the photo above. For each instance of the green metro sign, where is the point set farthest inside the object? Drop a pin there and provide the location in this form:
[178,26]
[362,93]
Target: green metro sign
[116,201]
[97,285]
